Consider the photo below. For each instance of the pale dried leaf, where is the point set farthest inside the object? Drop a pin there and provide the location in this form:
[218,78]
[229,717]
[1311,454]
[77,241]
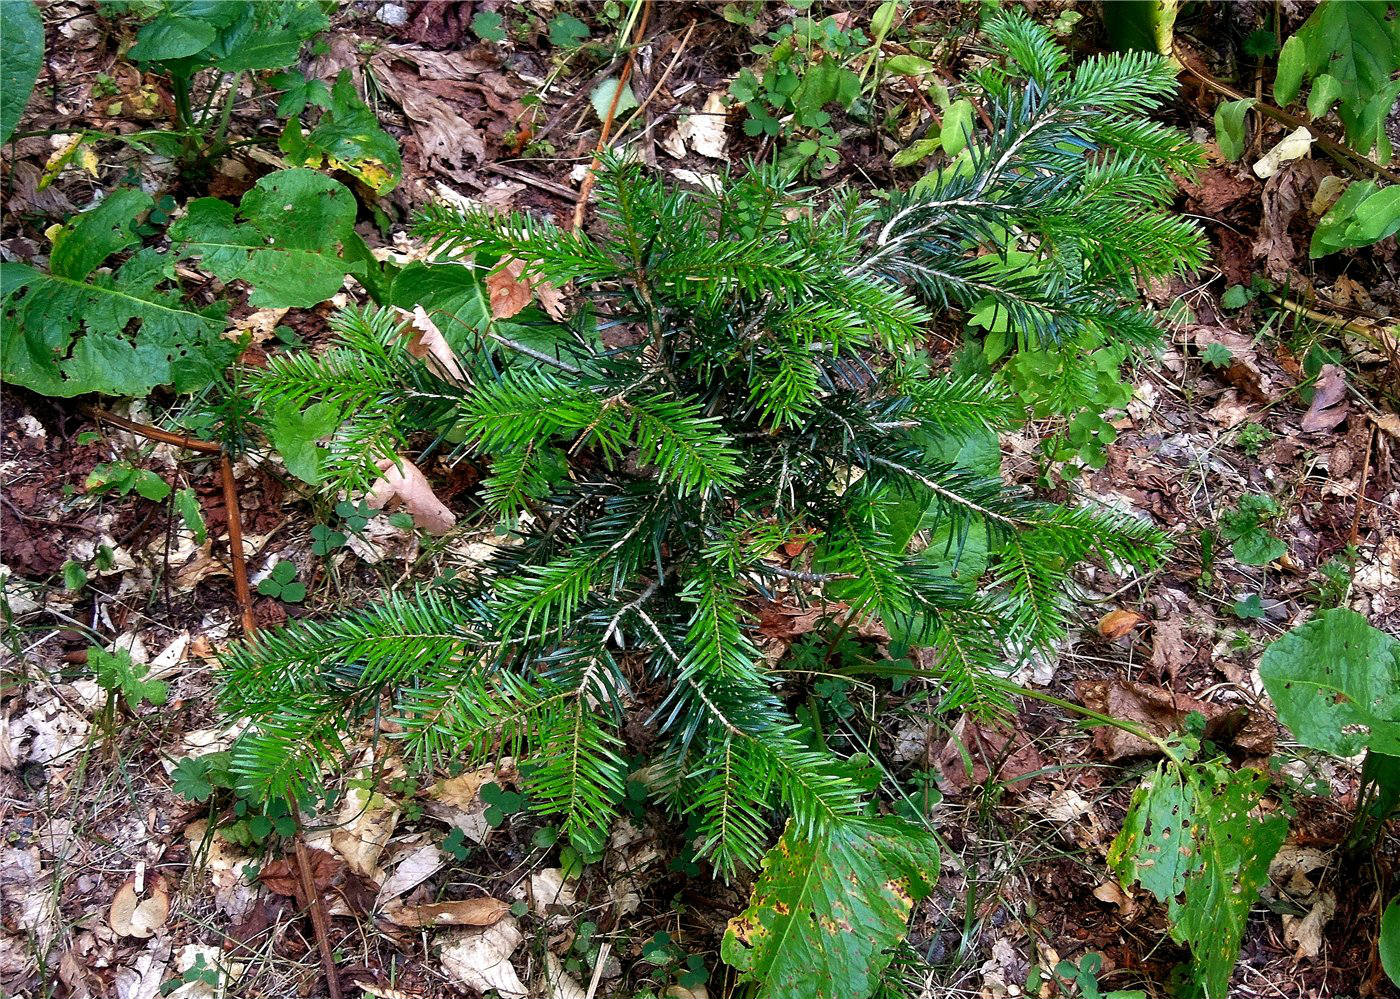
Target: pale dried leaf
[403,485]
[364,825]
[463,912]
[1293,145]
[131,915]
[1304,934]
[704,130]
[555,982]
[480,959]
[426,342]
[416,867]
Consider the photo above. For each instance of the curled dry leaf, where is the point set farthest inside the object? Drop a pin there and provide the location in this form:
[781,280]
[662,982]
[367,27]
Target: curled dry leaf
[1329,404]
[1304,934]
[426,342]
[134,916]
[366,821]
[480,958]
[555,983]
[510,290]
[464,912]
[1117,623]
[703,130]
[403,485]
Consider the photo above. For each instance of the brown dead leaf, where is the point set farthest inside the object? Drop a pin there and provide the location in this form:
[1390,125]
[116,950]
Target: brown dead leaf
[1112,893]
[283,877]
[1244,372]
[1329,404]
[1117,623]
[464,912]
[1169,649]
[426,342]
[132,915]
[403,485]
[1304,934]
[975,752]
[509,288]
[450,143]
[1163,712]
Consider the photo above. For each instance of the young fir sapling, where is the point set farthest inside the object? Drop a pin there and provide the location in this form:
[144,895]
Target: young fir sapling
[746,370]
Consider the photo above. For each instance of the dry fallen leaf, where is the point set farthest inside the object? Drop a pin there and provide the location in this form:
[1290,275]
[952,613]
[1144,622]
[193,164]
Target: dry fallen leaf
[365,823]
[1112,893]
[1304,934]
[508,288]
[427,343]
[480,959]
[403,485]
[703,130]
[1293,145]
[416,867]
[134,916]
[464,912]
[555,983]
[1329,405]
[1117,623]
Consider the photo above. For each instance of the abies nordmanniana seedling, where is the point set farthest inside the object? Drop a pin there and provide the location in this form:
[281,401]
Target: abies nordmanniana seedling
[745,370]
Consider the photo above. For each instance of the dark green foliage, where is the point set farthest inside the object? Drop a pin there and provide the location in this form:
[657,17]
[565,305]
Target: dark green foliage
[21,56]
[746,373]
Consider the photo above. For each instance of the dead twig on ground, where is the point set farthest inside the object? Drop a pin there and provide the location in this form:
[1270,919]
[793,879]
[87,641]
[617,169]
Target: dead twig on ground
[589,179]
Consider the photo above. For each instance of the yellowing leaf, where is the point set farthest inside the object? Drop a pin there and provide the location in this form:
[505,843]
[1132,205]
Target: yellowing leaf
[825,912]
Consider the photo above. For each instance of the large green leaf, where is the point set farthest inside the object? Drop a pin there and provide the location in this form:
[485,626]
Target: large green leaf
[1191,838]
[21,55]
[1351,50]
[1336,684]
[79,330]
[292,238]
[825,912]
[347,137]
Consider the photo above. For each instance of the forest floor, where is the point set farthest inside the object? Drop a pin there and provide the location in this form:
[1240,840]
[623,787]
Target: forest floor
[88,809]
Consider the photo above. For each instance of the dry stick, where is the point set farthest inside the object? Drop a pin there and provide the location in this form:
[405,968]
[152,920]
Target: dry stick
[1361,488]
[586,188]
[1344,154]
[319,919]
[237,563]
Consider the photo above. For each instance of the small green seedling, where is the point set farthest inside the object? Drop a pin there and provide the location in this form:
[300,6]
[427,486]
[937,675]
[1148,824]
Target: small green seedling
[325,540]
[122,477]
[1243,527]
[282,584]
[119,676]
[1217,355]
[1249,608]
[500,803]
[455,843]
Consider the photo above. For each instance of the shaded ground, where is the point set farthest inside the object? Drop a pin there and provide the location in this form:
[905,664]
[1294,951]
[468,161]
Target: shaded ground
[86,810]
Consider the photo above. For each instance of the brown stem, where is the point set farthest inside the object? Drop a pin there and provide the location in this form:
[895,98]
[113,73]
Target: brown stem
[586,188]
[320,923]
[237,563]
[1348,157]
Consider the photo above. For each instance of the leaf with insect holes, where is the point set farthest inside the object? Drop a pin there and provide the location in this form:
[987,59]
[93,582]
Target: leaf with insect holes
[1191,839]
[1336,684]
[291,238]
[826,911]
[80,329]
